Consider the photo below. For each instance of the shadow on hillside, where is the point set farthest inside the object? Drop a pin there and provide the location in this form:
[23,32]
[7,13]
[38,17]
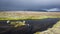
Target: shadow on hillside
[34,25]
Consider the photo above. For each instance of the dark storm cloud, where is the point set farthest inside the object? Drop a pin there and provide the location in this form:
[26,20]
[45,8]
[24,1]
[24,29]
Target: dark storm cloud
[28,4]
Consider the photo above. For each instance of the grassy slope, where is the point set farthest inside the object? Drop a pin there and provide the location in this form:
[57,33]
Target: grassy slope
[28,15]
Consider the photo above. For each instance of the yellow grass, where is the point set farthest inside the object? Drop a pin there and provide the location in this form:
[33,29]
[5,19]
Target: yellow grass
[27,15]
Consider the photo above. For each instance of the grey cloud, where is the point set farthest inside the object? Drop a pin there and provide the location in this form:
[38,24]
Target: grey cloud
[29,4]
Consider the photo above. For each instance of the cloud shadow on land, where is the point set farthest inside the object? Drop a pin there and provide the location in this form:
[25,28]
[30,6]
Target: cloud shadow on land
[42,24]
[34,26]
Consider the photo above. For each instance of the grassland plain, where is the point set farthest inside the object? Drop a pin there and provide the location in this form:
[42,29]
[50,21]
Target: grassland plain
[19,15]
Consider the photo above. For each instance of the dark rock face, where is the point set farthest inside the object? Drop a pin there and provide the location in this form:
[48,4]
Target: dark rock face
[34,26]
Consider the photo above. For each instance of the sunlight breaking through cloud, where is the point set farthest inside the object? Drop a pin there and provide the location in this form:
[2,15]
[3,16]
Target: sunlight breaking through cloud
[53,9]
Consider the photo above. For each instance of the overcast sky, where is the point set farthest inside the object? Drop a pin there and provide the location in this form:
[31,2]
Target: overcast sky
[49,5]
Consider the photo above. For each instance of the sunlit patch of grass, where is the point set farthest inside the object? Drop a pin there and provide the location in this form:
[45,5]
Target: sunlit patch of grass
[28,17]
[57,24]
[37,33]
[17,24]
